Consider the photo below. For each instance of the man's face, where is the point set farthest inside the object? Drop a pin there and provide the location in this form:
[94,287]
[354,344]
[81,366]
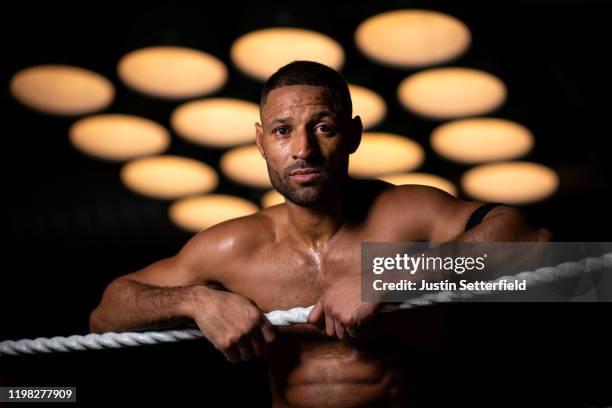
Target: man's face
[306,139]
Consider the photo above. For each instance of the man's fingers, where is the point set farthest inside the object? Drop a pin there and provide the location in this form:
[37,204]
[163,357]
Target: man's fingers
[257,342]
[340,332]
[268,332]
[330,327]
[316,315]
[231,354]
[353,331]
[244,348]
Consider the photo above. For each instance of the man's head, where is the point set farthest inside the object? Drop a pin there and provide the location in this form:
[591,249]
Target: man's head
[307,127]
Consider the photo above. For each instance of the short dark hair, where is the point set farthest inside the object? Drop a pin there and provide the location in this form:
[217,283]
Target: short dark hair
[310,73]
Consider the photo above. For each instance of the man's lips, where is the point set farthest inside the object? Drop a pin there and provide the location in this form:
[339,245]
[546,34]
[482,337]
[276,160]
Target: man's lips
[304,175]
[305,170]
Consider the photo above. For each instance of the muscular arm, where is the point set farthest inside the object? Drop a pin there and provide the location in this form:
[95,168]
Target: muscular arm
[446,218]
[130,304]
[446,221]
[504,224]
[433,216]
[176,290]
[159,295]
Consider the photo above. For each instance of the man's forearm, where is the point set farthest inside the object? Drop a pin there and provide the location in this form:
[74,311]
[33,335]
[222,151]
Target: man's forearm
[131,305]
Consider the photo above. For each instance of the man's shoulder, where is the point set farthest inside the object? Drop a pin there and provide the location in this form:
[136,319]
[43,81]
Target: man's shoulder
[245,232]
[234,239]
[416,196]
[411,210]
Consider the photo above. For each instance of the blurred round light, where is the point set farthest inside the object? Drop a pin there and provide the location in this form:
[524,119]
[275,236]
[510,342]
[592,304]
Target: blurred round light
[171,72]
[245,165]
[271,198]
[412,38]
[261,53]
[118,137]
[444,93]
[384,153]
[168,177]
[62,89]
[423,179]
[218,122]
[481,140]
[200,212]
[510,182]
[368,105]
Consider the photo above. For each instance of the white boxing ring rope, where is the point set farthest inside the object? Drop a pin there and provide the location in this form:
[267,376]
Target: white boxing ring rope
[285,317]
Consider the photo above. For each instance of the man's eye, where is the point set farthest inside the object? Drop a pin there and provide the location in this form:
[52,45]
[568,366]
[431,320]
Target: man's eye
[281,130]
[325,128]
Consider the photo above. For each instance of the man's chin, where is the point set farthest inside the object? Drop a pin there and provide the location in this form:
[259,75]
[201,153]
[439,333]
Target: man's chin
[304,202]
[304,198]
[303,193]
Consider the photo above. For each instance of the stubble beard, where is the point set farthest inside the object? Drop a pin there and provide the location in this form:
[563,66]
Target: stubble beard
[304,195]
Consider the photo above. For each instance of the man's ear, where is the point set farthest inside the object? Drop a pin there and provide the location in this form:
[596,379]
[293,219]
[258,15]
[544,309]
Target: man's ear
[356,131]
[259,139]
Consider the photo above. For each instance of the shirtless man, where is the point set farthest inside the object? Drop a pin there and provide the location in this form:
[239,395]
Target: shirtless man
[305,252]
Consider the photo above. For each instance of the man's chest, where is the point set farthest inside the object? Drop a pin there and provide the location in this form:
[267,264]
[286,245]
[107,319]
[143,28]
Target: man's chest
[281,276]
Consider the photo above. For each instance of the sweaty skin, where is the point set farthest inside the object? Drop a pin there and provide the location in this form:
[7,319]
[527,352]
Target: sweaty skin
[307,367]
[298,255]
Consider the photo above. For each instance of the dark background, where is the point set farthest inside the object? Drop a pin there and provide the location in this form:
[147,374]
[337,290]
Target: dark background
[71,227]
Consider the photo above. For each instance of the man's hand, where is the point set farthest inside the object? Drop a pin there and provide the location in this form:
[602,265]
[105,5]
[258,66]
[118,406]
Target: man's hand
[232,323]
[341,311]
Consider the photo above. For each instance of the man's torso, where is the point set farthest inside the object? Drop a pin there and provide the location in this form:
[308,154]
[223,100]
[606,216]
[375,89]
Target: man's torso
[306,367]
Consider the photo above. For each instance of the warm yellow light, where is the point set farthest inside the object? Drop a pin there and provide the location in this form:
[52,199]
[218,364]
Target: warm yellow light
[168,177]
[510,182]
[200,212]
[412,38]
[118,137]
[62,89]
[171,72]
[481,140]
[445,93]
[423,179]
[271,198]
[384,153]
[370,106]
[245,165]
[217,122]
[261,53]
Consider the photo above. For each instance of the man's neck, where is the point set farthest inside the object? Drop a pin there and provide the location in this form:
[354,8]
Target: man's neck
[317,225]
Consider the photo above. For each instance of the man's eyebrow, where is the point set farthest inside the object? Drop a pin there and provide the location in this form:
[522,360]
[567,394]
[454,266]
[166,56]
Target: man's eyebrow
[316,116]
[281,120]
[322,114]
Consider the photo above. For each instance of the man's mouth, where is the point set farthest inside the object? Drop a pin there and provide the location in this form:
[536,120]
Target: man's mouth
[305,175]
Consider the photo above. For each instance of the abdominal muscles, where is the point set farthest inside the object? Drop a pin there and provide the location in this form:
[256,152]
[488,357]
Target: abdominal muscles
[337,383]
[331,374]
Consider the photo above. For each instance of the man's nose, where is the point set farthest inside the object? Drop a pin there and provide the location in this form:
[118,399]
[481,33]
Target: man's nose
[304,145]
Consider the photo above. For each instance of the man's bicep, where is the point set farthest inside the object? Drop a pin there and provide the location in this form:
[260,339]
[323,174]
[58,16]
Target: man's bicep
[193,264]
[436,216]
[501,222]
[165,272]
